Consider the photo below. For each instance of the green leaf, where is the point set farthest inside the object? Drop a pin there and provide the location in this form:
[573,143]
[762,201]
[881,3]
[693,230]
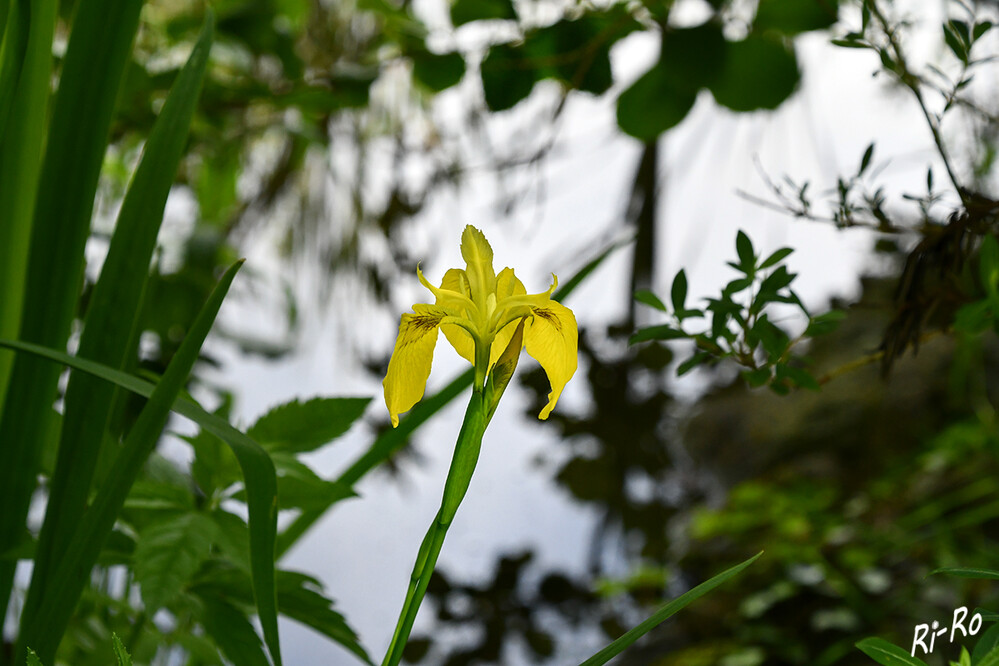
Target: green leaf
[112,315]
[662,332]
[744,248]
[232,632]
[47,625]
[990,659]
[300,597]
[776,257]
[865,161]
[298,427]
[648,298]
[120,653]
[968,572]
[466,11]
[759,73]
[887,654]
[653,104]
[980,29]
[987,642]
[692,58]
[799,376]
[507,78]
[167,555]
[698,358]
[664,613]
[33,659]
[758,377]
[794,16]
[27,69]
[678,292]
[827,322]
[438,71]
[576,51]
[954,42]
[257,468]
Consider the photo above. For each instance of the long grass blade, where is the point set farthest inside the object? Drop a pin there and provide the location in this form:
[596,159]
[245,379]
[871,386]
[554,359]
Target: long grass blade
[664,613]
[110,322]
[22,142]
[98,48]
[44,632]
[258,475]
[393,439]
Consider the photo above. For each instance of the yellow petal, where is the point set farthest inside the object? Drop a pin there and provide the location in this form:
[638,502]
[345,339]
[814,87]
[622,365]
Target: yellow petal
[455,280]
[507,285]
[478,256]
[409,367]
[551,339]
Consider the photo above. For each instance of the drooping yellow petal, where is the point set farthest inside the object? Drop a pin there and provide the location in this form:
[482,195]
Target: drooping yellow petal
[478,256]
[409,367]
[551,338]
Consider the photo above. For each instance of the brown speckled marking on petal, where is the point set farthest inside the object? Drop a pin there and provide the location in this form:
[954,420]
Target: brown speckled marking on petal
[550,317]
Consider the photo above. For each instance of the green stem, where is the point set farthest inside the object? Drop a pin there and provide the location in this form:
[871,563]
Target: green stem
[466,454]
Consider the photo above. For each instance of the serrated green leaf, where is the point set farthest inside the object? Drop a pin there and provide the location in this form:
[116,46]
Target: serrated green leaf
[661,332]
[678,292]
[299,427]
[33,659]
[887,654]
[120,653]
[167,555]
[232,632]
[648,298]
[664,613]
[776,257]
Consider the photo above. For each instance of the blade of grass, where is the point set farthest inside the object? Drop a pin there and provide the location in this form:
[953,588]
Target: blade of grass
[44,632]
[98,48]
[664,613]
[258,474]
[22,142]
[393,439]
[14,30]
[110,322]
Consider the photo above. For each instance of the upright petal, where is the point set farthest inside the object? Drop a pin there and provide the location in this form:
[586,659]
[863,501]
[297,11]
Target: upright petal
[478,256]
[455,280]
[507,285]
[551,339]
[409,367]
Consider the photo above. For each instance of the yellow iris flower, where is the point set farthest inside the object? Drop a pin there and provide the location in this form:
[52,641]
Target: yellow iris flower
[479,313]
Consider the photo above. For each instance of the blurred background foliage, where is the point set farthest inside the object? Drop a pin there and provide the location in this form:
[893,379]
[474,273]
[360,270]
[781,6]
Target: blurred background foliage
[317,125]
